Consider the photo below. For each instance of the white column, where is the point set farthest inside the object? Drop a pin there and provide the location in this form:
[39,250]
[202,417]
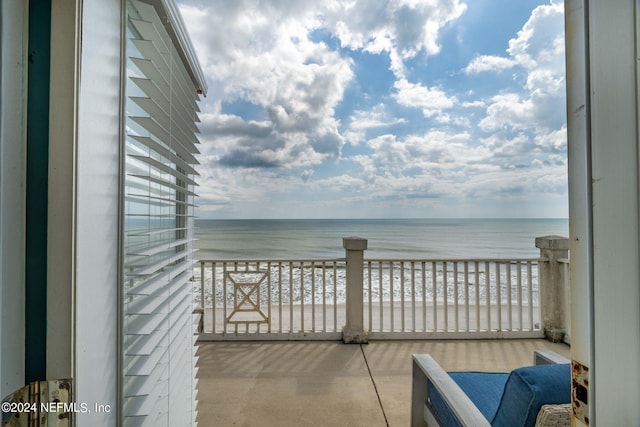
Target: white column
[602,107]
[353,331]
[552,292]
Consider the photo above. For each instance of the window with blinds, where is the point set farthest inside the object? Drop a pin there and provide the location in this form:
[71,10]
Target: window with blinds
[158,343]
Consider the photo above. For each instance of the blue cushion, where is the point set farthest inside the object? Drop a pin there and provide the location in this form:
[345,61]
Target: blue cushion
[508,400]
[483,388]
[527,389]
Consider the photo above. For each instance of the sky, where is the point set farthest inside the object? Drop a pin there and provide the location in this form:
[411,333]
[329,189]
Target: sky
[381,109]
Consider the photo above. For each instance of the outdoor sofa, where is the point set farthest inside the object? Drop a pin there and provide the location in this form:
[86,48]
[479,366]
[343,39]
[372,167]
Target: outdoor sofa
[540,392]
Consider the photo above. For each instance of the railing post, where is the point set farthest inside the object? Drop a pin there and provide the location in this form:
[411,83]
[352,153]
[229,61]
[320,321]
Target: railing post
[353,331]
[552,286]
[199,311]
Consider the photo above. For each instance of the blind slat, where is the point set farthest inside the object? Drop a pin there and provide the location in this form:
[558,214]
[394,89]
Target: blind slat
[151,90]
[154,231]
[161,201]
[161,132]
[184,161]
[150,71]
[150,304]
[165,183]
[149,269]
[150,285]
[152,250]
[164,168]
[141,385]
[153,109]
[150,51]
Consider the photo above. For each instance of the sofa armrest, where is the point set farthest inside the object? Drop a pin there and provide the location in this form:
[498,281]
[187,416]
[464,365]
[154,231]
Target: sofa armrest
[548,357]
[427,372]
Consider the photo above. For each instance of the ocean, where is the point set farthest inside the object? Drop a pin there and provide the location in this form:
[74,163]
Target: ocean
[387,238]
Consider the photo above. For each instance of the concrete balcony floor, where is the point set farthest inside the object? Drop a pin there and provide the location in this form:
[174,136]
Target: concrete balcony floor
[333,384]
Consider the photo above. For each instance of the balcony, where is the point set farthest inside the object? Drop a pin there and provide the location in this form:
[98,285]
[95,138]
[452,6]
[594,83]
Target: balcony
[331,384]
[270,350]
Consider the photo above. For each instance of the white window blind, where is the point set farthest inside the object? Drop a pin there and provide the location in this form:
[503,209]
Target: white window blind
[158,346]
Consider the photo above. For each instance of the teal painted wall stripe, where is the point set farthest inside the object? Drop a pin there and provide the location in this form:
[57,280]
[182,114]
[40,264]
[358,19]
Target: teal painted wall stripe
[37,190]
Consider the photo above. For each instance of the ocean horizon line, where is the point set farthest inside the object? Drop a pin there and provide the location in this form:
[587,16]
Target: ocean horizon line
[381,218]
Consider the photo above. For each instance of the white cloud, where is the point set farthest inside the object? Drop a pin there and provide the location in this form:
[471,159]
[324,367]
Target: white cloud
[538,46]
[540,41]
[555,141]
[307,174]
[538,50]
[433,156]
[261,55]
[474,104]
[375,117]
[344,182]
[363,120]
[489,63]
[402,28]
[264,54]
[270,56]
[432,101]
[509,110]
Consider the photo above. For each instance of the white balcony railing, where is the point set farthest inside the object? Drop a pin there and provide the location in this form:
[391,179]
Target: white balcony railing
[452,298]
[299,299]
[385,298]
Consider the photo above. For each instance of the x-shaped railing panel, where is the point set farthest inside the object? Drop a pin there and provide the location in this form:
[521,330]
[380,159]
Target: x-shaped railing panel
[246,296]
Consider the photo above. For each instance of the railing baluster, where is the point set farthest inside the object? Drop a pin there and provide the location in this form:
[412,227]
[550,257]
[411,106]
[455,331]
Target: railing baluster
[477,289]
[413,296]
[324,296]
[402,296]
[381,296]
[313,296]
[249,267]
[392,327]
[509,306]
[424,295]
[301,296]
[246,325]
[291,296]
[202,287]
[530,284]
[335,297]
[456,296]
[269,302]
[224,297]
[235,296]
[466,295]
[280,297]
[498,295]
[487,283]
[434,285]
[520,308]
[214,301]
[445,296]
[370,311]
